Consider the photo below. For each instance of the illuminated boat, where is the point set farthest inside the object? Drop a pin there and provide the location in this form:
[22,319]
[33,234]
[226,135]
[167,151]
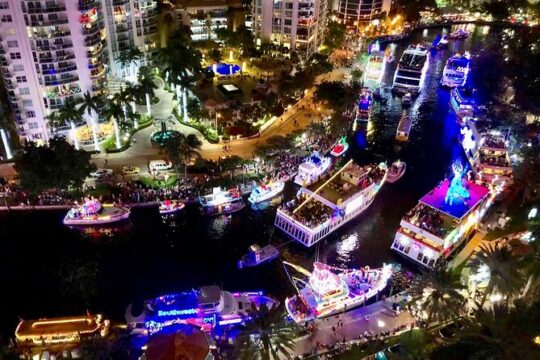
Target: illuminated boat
[168,207]
[390,53]
[459,34]
[456,71]
[340,147]
[443,219]
[205,307]
[323,207]
[462,101]
[331,290]
[62,330]
[221,202]
[404,128]
[264,192]
[258,255]
[365,105]
[440,42]
[493,162]
[411,69]
[312,169]
[396,171]
[375,67]
[92,213]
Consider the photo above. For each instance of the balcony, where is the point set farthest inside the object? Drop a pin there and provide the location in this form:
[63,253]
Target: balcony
[49,22]
[51,34]
[60,69]
[50,59]
[91,30]
[53,47]
[85,5]
[61,81]
[92,40]
[44,10]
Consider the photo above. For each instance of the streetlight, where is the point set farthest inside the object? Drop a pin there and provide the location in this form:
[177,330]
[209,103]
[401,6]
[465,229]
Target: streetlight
[218,115]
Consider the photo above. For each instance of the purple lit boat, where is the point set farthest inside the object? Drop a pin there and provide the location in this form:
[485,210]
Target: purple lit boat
[93,213]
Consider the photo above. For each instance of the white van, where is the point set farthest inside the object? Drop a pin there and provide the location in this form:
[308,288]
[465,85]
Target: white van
[160,165]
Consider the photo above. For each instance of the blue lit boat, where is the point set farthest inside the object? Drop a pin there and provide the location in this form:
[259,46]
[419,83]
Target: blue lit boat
[440,42]
[205,307]
[462,101]
[365,105]
[456,70]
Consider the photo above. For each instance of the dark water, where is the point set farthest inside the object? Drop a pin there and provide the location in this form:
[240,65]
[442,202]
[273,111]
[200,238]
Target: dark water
[47,269]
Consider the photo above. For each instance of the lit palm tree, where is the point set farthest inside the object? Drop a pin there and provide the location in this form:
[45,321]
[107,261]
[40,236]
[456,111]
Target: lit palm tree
[504,277]
[182,149]
[438,292]
[208,27]
[113,110]
[68,115]
[128,59]
[531,264]
[129,95]
[91,104]
[267,336]
[147,85]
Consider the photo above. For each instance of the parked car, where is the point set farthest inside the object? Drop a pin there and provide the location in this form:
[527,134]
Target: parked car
[130,170]
[99,173]
[160,165]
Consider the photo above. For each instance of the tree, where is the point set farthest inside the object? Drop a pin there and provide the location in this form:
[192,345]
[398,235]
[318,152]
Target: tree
[56,166]
[412,8]
[147,86]
[335,35]
[438,293]
[113,110]
[499,10]
[214,55]
[69,114]
[531,264]
[91,105]
[128,59]
[129,96]
[182,149]
[267,336]
[504,277]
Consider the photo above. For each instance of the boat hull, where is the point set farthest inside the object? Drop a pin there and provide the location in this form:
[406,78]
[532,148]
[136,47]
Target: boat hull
[174,210]
[223,210]
[103,220]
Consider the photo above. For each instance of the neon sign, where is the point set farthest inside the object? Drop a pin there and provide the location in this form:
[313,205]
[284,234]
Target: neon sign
[177,312]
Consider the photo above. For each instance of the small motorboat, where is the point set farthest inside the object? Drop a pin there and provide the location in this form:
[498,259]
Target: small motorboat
[340,147]
[404,128]
[168,207]
[406,99]
[265,192]
[92,213]
[396,171]
[459,34]
[440,42]
[258,255]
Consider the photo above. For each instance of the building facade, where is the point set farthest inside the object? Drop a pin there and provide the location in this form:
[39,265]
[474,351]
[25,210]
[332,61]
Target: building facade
[354,12]
[296,24]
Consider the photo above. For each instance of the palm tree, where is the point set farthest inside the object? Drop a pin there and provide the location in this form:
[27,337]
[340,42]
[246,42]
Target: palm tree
[531,264]
[68,114]
[127,59]
[147,85]
[182,149]
[91,105]
[208,27]
[113,109]
[129,95]
[5,122]
[438,293]
[267,336]
[504,276]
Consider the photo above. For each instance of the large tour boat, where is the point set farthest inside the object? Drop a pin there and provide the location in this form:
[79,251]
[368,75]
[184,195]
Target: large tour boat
[222,202]
[493,162]
[456,70]
[312,169]
[93,213]
[318,210]
[365,105]
[412,68]
[375,67]
[462,101]
[443,219]
[264,192]
[331,290]
[64,330]
[205,307]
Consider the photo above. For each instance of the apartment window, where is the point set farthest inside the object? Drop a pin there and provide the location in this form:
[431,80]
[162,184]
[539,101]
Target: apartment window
[4,5]
[27,103]
[21,79]
[31,114]
[15,55]
[24,91]
[289,6]
[6,18]
[18,67]
[12,44]
[288,22]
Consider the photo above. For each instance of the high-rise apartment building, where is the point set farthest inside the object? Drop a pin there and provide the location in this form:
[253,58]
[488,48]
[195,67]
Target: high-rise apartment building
[354,12]
[296,24]
[53,50]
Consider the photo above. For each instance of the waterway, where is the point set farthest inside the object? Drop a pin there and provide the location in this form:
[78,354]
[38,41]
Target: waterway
[47,269]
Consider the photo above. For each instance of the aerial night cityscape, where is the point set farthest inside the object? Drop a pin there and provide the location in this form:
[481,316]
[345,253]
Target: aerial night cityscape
[270,179]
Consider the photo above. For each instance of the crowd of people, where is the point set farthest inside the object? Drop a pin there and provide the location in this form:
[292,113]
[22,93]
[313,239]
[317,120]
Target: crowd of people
[428,219]
[494,160]
[312,214]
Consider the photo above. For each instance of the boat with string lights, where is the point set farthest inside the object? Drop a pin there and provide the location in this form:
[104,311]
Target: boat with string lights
[320,209]
[331,290]
[93,213]
[375,67]
[493,162]
[264,192]
[396,171]
[459,34]
[462,101]
[456,70]
[205,307]
[365,105]
[444,218]
[412,68]
[340,147]
[312,169]
[222,202]
[168,207]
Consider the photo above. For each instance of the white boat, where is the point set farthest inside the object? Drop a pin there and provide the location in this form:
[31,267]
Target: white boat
[396,171]
[319,210]
[330,290]
[340,147]
[312,169]
[412,68]
[205,307]
[221,202]
[404,128]
[456,70]
[258,255]
[167,207]
[459,34]
[93,213]
[390,53]
[375,67]
[264,192]
[462,101]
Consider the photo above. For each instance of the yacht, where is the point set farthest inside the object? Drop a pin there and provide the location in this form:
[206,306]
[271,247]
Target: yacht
[404,128]
[264,192]
[206,307]
[168,207]
[396,171]
[320,209]
[462,101]
[375,67]
[440,42]
[456,70]
[331,290]
[412,68]
[93,213]
[365,105]
[258,255]
[312,169]
[221,202]
[340,147]
[493,161]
